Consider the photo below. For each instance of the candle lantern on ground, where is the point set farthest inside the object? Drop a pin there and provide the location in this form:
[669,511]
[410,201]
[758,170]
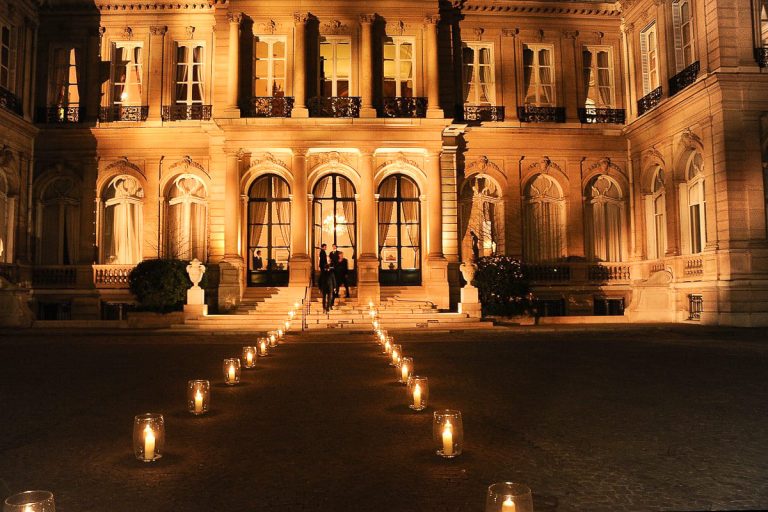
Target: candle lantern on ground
[395,353]
[418,392]
[263,347]
[372,313]
[30,501]
[198,396]
[404,369]
[291,314]
[272,339]
[232,371]
[148,436]
[509,497]
[287,325]
[279,333]
[448,433]
[375,325]
[249,357]
[387,347]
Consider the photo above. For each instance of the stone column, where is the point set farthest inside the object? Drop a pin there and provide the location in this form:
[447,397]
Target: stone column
[299,65]
[155,75]
[433,74]
[666,57]
[571,78]
[366,66]
[300,264]
[368,262]
[630,87]
[231,267]
[233,78]
[436,278]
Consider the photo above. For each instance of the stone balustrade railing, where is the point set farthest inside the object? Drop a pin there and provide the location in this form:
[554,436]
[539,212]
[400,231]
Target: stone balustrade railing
[111,276]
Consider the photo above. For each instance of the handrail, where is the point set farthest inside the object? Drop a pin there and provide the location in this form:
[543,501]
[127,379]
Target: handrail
[306,303]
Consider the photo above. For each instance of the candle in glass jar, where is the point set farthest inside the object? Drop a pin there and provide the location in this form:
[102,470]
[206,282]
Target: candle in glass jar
[417,396]
[508,505]
[231,373]
[290,314]
[287,326]
[198,402]
[249,357]
[149,443]
[404,372]
[263,347]
[448,438]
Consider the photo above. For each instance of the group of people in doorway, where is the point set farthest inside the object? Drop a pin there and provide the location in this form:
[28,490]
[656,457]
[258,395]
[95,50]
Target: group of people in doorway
[334,269]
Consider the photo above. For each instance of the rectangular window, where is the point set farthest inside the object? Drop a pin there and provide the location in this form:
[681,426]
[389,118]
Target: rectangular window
[7,57]
[335,67]
[189,73]
[682,23]
[479,74]
[598,78]
[649,54]
[65,78]
[127,71]
[399,63]
[269,66]
[539,75]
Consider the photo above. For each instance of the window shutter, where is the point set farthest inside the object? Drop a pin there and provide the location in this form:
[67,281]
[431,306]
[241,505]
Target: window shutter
[677,30]
[644,62]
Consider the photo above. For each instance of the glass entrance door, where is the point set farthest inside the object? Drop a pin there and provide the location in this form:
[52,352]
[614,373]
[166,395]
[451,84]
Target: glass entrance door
[269,231]
[334,219]
[399,232]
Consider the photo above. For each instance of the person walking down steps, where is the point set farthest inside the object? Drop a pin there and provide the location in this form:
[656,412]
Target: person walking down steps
[341,271]
[327,281]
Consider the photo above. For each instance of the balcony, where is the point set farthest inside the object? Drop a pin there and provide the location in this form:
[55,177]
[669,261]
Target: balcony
[602,115]
[334,106]
[123,113]
[532,114]
[403,107]
[578,272]
[54,276]
[483,113]
[268,106]
[65,114]
[761,56]
[183,112]
[684,78]
[111,276]
[10,102]
[649,101]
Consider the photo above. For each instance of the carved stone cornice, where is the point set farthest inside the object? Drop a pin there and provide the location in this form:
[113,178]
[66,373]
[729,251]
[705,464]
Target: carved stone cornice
[266,27]
[158,30]
[235,17]
[300,18]
[179,5]
[334,27]
[579,9]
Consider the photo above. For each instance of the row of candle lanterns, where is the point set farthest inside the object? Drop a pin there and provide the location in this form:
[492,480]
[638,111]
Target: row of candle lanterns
[447,425]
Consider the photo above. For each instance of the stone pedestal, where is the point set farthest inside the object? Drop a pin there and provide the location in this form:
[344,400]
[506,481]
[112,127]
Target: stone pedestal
[368,287]
[436,282]
[195,310]
[230,283]
[300,271]
[470,302]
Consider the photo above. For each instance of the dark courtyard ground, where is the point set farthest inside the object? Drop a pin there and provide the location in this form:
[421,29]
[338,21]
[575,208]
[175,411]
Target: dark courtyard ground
[640,419]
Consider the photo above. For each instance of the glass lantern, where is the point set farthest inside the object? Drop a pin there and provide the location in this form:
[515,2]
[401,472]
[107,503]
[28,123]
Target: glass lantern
[404,369]
[280,334]
[375,325]
[395,353]
[448,433]
[30,501]
[418,392]
[263,347]
[287,326]
[291,314]
[387,346]
[249,357]
[148,436]
[272,336]
[232,371]
[198,396]
[372,313]
[509,497]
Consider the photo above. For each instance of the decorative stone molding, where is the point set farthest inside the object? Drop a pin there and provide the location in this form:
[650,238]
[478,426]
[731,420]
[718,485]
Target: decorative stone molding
[478,31]
[190,31]
[123,165]
[651,156]
[335,27]
[127,33]
[235,17]
[432,19]
[186,163]
[328,157]
[604,166]
[6,156]
[481,166]
[160,30]
[266,27]
[540,35]
[599,37]
[268,158]
[400,162]
[240,153]
[690,140]
[102,31]
[108,5]
[300,18]
[398,28]
[367,19]
[570,34]
[510,32]
[544,166]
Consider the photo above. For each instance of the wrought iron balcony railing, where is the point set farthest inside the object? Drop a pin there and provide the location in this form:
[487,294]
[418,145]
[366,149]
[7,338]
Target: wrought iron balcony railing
[402,106]
[602,115]
[483,113]
[532,114]
[268,106]
[65,114]
[10,101]
[186,112]
[649,101]
[684,78]
[334,106]
[761,56]
[123,113]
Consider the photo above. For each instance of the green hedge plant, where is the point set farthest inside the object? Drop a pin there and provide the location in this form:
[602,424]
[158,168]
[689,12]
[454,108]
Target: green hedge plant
[502,286]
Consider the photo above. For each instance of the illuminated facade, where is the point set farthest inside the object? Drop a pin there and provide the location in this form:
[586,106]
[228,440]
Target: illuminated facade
[617,148]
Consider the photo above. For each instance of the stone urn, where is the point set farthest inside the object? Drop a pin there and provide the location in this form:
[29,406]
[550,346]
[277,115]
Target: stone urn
[195,271]
[468,270]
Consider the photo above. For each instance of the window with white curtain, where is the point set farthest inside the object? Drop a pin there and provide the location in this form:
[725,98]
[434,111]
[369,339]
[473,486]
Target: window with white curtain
[479,74]
[59,222]
[682,25]
[5,223]
[695,216]
[399,63]
[649,56]
[7,49]
[539,75]
[127,72]
[604,211]
[122,221]
[65,78]
[189,73]
[598,77]
[269,66]
[543,221]
[186,219]
[764,23]
[335,66]
[656,217]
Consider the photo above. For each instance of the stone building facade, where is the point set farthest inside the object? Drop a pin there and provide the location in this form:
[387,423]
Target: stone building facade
[619,149]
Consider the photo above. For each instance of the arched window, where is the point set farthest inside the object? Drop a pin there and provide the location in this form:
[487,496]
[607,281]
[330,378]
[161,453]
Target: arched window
[123,221]
[694,189]
[59,222]
[543,221]
[482,213]
[186,219]
[656,217]
[269,231]
[399,231]
[335,215]
[604,214]
[5,223]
